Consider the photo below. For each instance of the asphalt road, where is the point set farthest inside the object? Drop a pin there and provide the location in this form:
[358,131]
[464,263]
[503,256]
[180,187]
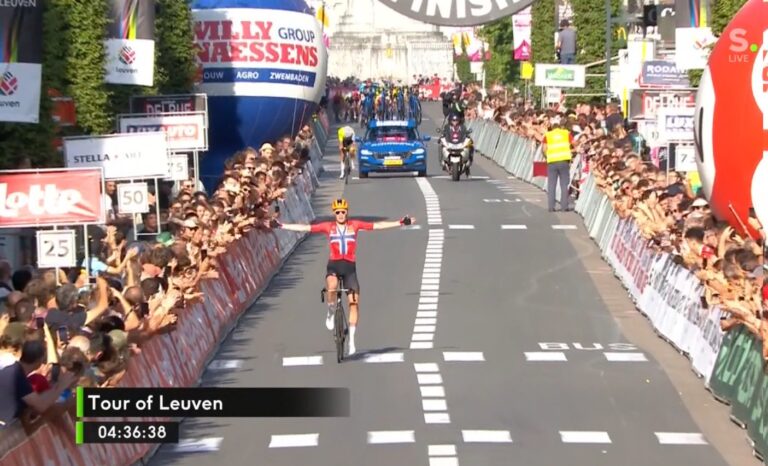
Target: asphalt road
[482,341]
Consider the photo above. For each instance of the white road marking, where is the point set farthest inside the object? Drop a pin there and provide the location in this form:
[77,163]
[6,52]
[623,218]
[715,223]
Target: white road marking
[496,181]
[494,201]
[431,310]
[442,450]
[427,313]
[545,356]
[424,328]
[426,367]
[461,227]
[423,337]
[303,361]
[198,445]
[391,436]
[411,227]
[437,418]
[443,461]
[432,391]
[298,440]
[433,261]
[425,321]
[434,405]
[583,436]
[625,357]
[430,275]
[428,293]
[430,281]
[434,255]
[429,379]
[486,436]
[384,357]
[463,356]
[222,364]
[422,345]
[514,227]
[680,438]
[429,288]
[564,227]
[428,300]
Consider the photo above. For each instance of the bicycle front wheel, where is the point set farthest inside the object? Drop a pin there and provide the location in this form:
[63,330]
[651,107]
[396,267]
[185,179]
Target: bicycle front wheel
[341,331]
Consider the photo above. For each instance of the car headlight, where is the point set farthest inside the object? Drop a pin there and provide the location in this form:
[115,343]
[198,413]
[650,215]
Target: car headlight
[366,152]
[418,152]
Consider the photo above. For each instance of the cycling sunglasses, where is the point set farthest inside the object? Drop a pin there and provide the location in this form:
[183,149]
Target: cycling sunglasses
[339,212]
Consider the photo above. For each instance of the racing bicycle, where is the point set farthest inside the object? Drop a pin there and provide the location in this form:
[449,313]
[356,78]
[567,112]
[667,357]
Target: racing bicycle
[347,152]
[340,324]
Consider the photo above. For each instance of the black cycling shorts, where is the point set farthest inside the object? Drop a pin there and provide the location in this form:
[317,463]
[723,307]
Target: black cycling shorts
[346,270]
[346,142]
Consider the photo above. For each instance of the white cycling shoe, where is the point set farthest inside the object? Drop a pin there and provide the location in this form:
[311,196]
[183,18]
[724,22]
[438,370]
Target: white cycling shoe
[329,320]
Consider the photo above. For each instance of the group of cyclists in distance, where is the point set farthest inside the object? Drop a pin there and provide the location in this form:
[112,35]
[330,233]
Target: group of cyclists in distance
[380,100]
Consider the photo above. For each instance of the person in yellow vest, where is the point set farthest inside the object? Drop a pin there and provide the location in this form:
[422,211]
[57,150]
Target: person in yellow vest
[558,148]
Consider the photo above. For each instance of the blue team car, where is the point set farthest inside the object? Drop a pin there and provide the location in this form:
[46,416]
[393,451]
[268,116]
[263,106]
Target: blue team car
[392,146]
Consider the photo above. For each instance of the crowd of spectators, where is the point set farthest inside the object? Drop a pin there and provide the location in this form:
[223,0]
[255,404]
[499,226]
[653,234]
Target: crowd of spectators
[61,330]
[669,210]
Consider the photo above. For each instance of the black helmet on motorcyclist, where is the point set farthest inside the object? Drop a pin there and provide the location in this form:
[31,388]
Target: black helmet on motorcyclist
[454,119]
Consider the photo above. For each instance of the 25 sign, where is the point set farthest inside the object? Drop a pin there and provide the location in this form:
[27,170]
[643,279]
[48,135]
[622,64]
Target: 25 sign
[178,167]
[56,248]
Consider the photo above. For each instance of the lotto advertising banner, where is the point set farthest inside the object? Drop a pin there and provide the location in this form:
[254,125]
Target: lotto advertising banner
[521,34]
[130,43]
[123,156]
[51,197]
[21,50]
[258,52]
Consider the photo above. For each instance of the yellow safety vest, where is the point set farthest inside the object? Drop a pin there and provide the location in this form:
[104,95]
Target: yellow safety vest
[558,145]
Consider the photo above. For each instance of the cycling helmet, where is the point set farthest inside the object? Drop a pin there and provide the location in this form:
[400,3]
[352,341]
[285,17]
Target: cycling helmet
[340,204]
[348,132]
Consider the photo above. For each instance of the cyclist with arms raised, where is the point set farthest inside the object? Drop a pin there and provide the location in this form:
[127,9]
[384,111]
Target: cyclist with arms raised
[347,147]
[342,236]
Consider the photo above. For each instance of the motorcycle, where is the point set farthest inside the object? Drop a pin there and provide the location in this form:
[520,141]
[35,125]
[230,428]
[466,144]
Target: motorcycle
[455,154]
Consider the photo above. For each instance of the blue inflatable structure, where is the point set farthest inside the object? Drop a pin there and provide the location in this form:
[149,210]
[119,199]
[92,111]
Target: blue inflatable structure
[264,67]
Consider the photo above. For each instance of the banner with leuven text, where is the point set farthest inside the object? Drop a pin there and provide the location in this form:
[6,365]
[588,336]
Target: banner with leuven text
[21,50]
[130,44]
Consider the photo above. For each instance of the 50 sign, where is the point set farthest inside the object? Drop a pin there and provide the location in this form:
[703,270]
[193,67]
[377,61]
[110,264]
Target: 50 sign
[56,248]
[132,198]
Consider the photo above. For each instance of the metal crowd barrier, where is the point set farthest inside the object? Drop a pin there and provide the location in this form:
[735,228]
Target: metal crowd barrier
[730,365]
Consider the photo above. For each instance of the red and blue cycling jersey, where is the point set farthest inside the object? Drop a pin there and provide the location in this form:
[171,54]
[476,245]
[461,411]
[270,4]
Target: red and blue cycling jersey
[342,239]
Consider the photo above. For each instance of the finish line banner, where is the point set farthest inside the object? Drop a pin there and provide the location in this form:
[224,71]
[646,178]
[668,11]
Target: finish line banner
[130,44]
[21,27]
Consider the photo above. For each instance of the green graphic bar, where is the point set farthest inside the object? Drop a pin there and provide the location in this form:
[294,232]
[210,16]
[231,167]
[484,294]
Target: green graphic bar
[80,402]
[79,432]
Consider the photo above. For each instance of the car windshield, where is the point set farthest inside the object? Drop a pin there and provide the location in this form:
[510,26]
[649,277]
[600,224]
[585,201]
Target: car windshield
[391,134]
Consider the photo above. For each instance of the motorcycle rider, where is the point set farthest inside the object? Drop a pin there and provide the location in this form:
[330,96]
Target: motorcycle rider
[455,131]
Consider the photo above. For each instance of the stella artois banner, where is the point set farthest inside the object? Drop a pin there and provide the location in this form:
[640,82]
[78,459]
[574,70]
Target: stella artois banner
[21,29]
[130,43]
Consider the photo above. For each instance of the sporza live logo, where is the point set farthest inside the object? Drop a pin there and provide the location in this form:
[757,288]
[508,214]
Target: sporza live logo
[127,55]
[9,84]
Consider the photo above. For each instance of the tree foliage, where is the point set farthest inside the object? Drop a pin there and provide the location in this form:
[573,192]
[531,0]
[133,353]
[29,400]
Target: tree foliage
[73,66]
[589,19]
[501,67]
[543,31]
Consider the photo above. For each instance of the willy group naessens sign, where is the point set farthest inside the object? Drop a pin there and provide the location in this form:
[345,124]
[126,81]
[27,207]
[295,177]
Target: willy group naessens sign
[263,68]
